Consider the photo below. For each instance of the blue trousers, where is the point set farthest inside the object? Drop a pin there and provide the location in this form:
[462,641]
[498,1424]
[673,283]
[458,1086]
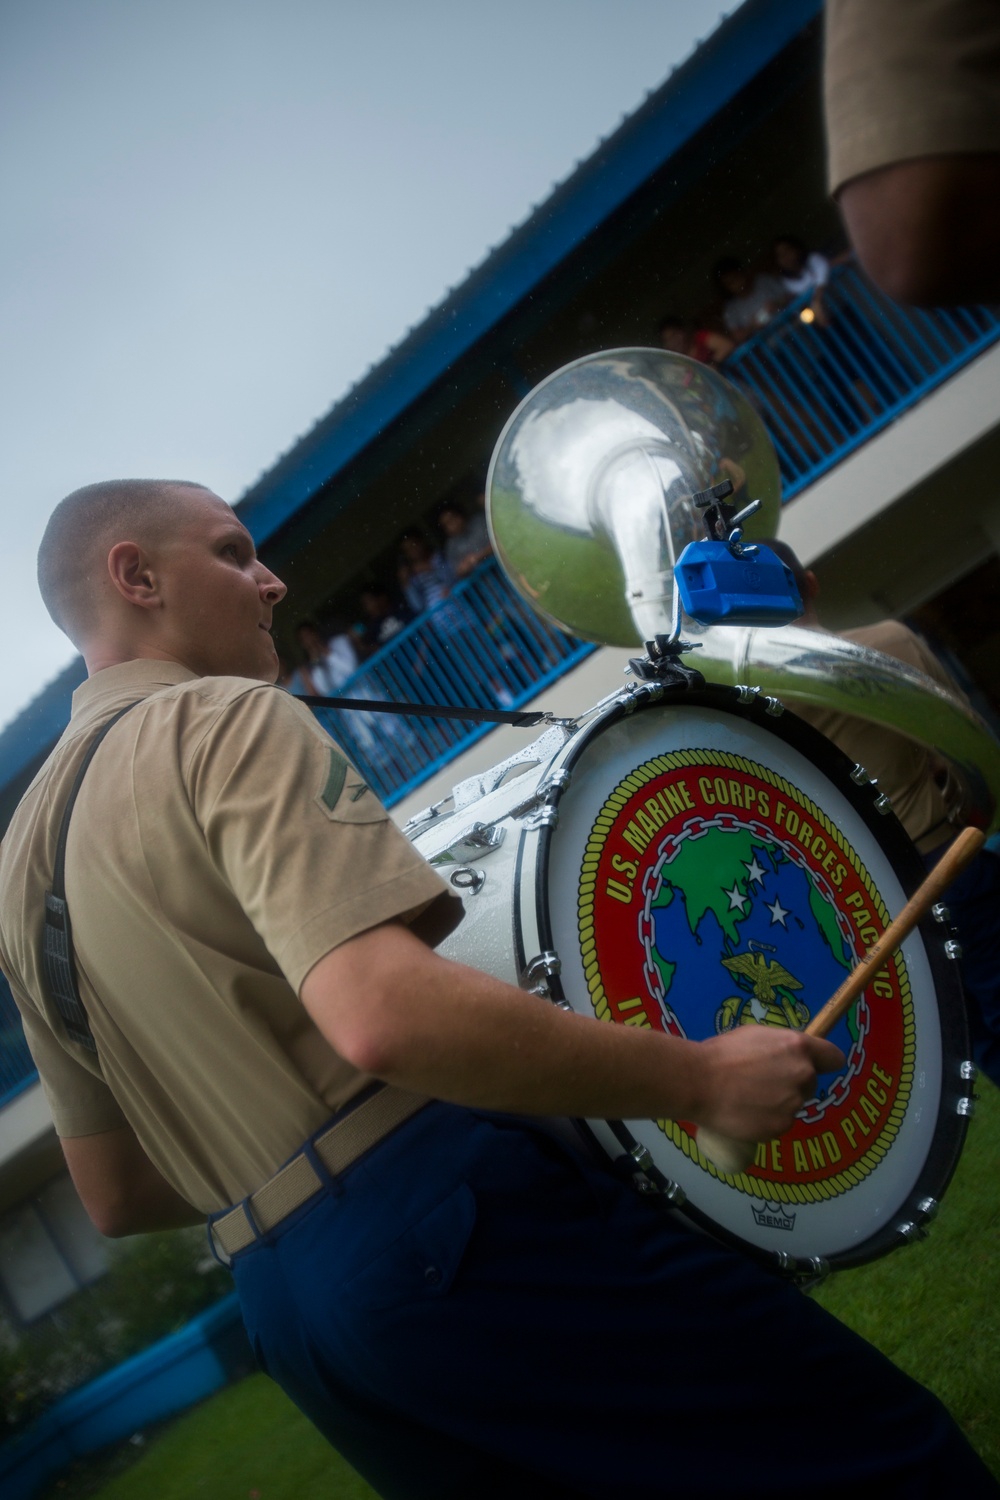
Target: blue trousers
[474,1292]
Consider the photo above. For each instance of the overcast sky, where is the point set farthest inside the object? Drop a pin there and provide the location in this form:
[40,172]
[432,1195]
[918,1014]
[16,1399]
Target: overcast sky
[217,214]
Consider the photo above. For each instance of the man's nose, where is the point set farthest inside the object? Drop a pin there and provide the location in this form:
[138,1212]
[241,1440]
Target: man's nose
[271,588]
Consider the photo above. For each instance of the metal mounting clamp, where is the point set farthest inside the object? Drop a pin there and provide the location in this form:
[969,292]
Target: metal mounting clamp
[538,971]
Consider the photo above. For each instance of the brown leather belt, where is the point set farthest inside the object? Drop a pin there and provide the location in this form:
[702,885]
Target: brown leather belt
[337,1148]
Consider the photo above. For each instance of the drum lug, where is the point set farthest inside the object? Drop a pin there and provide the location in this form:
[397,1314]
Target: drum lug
[817,1272]
[952,949]
[968,1071]
[552,786]
[805,1274]
[544,801]
[545,817]
[882,803]
[633,696]
[860,776]
[940,912]
[746,694]
[538,971]
[643,1163]
[966,1106]
[910,1232]
[927,1209]
[642,1156]
[645,1178]
[465,878]
[479,840]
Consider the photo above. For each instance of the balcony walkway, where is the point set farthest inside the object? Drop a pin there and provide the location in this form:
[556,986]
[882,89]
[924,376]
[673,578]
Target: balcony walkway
[822,392]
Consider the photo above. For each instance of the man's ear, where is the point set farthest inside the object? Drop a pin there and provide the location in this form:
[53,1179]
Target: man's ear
[131,572]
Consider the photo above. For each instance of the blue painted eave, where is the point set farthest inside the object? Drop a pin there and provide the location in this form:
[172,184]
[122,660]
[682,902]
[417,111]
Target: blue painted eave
[36,729]
[669,118]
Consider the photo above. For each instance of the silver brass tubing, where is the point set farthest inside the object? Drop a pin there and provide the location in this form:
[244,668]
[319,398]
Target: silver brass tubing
[810,666]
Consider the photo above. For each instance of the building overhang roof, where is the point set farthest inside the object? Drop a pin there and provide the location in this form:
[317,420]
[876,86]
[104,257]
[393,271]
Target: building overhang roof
[668,119]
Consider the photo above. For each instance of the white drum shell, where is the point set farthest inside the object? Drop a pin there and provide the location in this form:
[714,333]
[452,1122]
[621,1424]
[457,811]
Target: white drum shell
[520,900]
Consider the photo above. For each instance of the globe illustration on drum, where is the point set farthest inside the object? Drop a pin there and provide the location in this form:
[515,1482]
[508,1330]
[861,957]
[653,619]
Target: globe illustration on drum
[737,927]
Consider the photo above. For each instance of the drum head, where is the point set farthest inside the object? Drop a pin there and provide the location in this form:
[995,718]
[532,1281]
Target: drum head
[715,865]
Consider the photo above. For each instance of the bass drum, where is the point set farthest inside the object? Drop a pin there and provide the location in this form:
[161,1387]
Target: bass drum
[693,860]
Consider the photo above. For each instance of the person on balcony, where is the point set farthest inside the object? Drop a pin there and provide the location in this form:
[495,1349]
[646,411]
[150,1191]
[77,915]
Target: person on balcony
[467,539]
[455,658]
[801,269]
[707,345]
[462,1303]
[384,617]
[424,576]
[330,658]
[928,797]
[750,301]
[846,369]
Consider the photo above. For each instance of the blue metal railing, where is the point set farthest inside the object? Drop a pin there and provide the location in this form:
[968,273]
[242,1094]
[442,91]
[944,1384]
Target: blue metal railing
[482,647]
[823,391]
[17,1070]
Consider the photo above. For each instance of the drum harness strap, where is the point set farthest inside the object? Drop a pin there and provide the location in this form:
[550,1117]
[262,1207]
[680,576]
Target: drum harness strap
[58,963]
[429,710]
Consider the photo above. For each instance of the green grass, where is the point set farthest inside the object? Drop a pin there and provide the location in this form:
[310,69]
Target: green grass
[247,1443]
[933,1308]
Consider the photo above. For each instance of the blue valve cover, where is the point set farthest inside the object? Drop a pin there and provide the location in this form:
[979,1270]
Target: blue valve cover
[717,588]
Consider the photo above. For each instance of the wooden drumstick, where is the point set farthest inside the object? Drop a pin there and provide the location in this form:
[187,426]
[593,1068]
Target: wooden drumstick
[732,1156]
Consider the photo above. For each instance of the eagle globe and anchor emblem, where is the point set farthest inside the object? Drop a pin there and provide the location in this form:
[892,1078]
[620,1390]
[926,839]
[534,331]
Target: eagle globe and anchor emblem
[769,1002]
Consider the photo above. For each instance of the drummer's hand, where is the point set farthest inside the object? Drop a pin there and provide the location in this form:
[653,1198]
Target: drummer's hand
[757,1078]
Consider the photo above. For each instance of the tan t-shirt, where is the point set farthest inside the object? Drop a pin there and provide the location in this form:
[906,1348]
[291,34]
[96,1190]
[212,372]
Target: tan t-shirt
[909,78]
[924,798]
[220,846]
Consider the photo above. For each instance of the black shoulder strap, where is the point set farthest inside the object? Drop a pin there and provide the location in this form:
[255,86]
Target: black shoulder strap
[518,717]
[58,964]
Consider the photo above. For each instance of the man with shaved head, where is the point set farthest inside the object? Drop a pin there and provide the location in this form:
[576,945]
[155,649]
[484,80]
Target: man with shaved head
[242,1019]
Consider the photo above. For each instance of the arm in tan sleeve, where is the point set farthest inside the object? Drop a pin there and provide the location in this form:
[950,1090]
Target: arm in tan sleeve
[116,1182]
[912,93]
[120,1188]
[398,1011]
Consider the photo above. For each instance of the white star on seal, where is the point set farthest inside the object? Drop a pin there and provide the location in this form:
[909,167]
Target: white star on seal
[737,900]
[755,871]
[778,913]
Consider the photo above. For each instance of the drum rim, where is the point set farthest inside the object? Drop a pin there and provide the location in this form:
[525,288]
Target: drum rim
[951,1124]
